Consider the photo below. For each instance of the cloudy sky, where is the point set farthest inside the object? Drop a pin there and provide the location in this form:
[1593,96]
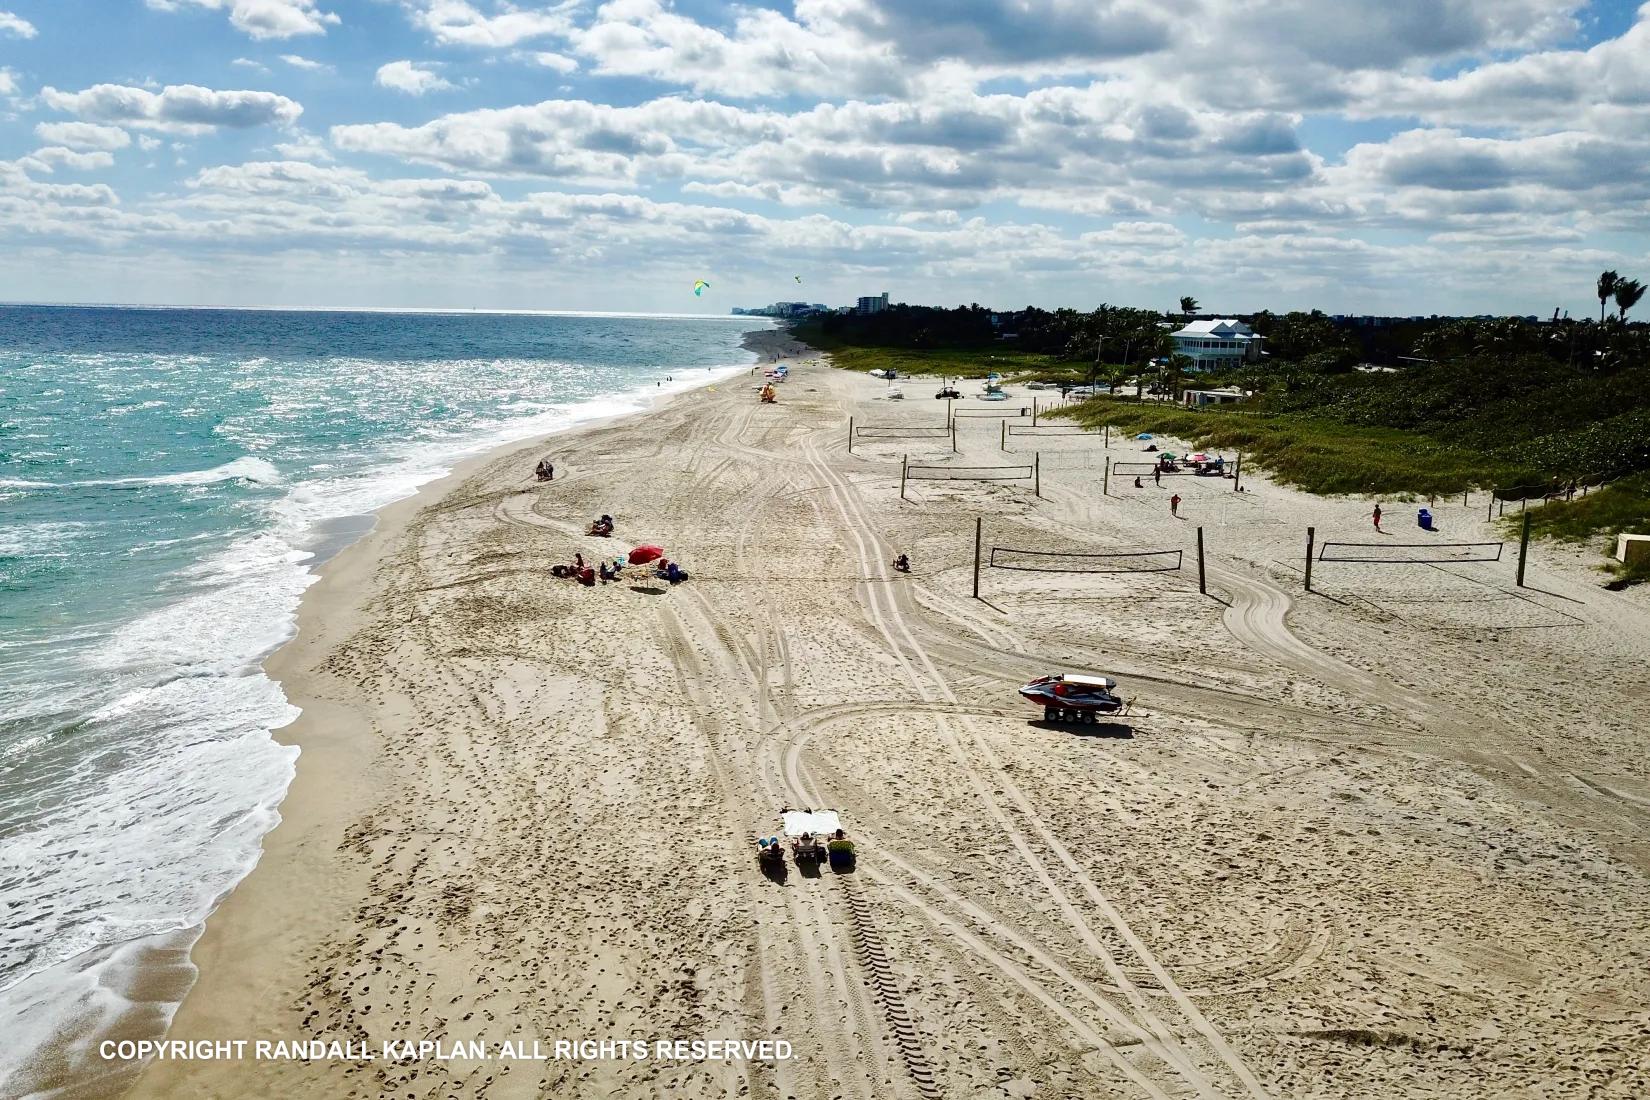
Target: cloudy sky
[1384,156]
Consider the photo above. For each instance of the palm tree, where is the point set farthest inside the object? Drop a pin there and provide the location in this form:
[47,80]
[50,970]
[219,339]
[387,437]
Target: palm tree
[1188,304]
[1606,287]
[1627,293]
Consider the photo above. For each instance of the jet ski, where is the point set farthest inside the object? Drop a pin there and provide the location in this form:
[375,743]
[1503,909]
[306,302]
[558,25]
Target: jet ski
[1068,698]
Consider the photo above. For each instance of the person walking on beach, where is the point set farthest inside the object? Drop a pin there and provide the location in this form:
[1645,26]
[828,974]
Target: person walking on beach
[1157,475]
[1174,506]
[1376,516]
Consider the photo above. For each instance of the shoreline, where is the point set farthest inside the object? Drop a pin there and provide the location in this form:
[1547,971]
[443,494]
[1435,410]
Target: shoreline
[155,974]
[524,808]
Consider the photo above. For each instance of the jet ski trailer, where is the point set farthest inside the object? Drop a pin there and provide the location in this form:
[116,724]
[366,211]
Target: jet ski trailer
[1073,698]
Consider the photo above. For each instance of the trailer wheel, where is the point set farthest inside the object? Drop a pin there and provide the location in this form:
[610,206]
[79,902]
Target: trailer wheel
[1050,715]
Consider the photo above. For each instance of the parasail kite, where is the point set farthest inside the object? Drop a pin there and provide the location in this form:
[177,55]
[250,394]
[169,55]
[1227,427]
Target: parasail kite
[799,278]
[699,288]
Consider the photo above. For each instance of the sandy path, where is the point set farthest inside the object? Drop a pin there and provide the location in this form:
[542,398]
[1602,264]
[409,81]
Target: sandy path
[1333,852]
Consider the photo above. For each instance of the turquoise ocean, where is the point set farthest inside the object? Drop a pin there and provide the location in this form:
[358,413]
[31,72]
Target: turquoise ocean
[168,481]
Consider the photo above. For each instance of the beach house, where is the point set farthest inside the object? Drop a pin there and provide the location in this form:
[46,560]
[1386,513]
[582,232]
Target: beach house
[1217,343]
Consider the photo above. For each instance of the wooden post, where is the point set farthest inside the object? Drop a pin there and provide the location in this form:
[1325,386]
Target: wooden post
[1037,473]
[1523,548]
[1491,513]
[1002,436]
[1105,484]
[1311,537]
[979,523]
[850,435]
[1237,472]
[1464,493]
[1107,443]
[1033,412]
[1202,585]
[953,437]
[904,461]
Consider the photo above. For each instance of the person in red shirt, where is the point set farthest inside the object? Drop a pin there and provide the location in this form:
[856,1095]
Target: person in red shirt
[1174,505]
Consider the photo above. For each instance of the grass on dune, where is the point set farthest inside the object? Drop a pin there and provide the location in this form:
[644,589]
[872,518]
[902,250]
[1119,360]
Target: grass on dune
[1622,506]
[954,363]
[1317,456]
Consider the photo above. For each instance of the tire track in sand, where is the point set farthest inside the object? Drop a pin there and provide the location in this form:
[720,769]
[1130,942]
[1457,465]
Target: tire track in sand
[934,685]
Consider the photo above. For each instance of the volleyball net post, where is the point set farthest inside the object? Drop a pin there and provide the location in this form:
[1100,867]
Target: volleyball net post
[1311,537]
[979,526]
[904,467]
[1202,583]
[1105,483]
[1037,474]
[1523,548]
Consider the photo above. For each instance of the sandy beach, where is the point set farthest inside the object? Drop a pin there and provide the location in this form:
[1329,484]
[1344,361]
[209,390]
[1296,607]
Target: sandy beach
[1388,839]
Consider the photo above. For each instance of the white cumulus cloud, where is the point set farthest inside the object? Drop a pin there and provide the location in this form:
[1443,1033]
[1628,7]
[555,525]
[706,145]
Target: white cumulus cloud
[181,107]
[458,23]
[16,25]
[404,76]
[83,135]
[263,19]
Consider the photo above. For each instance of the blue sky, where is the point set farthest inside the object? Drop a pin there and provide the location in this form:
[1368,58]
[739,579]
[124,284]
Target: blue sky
[1352,155]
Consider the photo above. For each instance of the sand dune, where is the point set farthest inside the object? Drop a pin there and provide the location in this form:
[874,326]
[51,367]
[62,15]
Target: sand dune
[1384,841]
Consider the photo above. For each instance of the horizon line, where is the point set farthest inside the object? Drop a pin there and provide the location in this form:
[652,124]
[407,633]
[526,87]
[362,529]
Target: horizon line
[459,310]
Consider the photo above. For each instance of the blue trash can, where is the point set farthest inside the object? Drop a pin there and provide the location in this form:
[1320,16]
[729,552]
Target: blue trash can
[1423,519]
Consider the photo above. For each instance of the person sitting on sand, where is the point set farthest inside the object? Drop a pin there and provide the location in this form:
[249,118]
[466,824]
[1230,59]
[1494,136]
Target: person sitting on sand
[1137,484]
[903,563]
[607,573]
[587,577]
[561,571]
[839,842]
[805,847]
[545,470]
[578,562]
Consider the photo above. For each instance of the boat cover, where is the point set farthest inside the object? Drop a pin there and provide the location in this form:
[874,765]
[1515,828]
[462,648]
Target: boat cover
[817,822]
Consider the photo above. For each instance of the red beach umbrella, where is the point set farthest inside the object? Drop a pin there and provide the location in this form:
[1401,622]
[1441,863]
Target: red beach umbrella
[644,554]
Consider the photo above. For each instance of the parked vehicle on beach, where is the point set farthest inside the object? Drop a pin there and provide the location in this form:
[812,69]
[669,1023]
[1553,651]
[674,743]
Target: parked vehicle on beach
[949,393]
[1073,698]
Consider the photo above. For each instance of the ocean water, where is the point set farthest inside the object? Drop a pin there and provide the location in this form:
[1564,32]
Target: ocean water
[167,479]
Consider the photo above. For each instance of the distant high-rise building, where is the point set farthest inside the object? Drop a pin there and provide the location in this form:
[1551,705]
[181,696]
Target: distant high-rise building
[873,305]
